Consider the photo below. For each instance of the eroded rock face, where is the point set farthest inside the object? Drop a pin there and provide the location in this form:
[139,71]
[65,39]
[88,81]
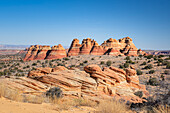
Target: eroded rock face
[57,52]
[88,46]
[111,46]
[38,52]
[94,83]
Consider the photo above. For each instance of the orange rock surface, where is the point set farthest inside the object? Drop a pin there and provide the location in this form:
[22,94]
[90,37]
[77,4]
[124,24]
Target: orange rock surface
[123,47]
[93,83]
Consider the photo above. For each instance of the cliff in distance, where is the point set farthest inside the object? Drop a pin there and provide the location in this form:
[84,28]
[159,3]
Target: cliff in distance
[123,47]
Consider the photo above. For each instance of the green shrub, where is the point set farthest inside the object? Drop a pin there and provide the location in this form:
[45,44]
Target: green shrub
[126,65]
[121,66]
[149,56]
[139,93]
[92,59]
[167,72]
[149,66]
[160,60]
[151,71]
[108,63]
[66,59]
[139,72]
[160,56]
[81,64]
[127,58]
[140,56]
[85,61]
[168,66]
[153,82]
[144,63]
[102,62]
[34,64]
[163,77]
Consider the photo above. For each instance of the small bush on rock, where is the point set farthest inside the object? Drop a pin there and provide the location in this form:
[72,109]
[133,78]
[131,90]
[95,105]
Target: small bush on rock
[139,72]
[54,92]
[153,82]
[139,93]
[108,63]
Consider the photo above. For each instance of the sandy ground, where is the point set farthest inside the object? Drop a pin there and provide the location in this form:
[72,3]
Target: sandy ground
[8,106]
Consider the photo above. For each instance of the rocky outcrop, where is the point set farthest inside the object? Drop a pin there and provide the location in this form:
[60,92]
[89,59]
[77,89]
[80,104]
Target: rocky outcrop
[111,46]
[57,52]
[93,83]
[38,52]
[122,47]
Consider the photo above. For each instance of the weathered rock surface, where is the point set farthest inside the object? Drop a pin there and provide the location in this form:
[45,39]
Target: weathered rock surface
[111,46]
[88,46]
[37,52]
[93,83]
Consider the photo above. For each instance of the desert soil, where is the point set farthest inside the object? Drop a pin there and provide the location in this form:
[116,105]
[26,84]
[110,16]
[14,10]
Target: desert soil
[8,106]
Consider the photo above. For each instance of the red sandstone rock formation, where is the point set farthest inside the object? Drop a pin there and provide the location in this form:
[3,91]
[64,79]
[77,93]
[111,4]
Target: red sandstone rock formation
[74,48]
[57,52]
[42,53]
[111,46]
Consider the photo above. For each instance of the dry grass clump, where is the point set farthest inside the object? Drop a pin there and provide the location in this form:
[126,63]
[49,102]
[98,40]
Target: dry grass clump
[10,93]
[159,109]
[112,107]
[65,104]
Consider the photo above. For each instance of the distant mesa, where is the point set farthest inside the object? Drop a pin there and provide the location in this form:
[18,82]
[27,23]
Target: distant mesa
[121,47]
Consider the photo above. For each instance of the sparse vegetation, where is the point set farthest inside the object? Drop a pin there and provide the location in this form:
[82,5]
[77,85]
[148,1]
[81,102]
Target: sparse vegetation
[139,72]
[108,63]
[153,81]
[151,71]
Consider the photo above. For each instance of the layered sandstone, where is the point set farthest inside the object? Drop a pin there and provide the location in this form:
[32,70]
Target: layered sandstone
[38,52]
[122,47]
[94,83]
[114,47]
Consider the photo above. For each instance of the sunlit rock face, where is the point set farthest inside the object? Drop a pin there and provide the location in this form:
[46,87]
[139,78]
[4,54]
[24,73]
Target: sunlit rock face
[122,47]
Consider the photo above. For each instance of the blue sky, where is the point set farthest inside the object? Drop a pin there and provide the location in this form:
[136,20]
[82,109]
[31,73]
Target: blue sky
[50,22]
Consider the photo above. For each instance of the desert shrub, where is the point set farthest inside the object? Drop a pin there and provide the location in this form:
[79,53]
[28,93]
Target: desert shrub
[54,92]
[167,72]
[85,61]
[139,72]
[28,66]
[72,66]
[162,77]
[38,61]
[160,60]
[102,62]
[168,66]
[167,58]
[81,64]
[92,59]
[126,65]
[149,66]
[34,64]
[127,58]
[140,56]
[144,63]
[149,56]
[112,107]
[66,59]
[149,61]
[139,93]
[121,66]
[165,63]
[159,109]
[46,61]
[83,102]
[153,81]
[151,71]
[160,56]
[108,63]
